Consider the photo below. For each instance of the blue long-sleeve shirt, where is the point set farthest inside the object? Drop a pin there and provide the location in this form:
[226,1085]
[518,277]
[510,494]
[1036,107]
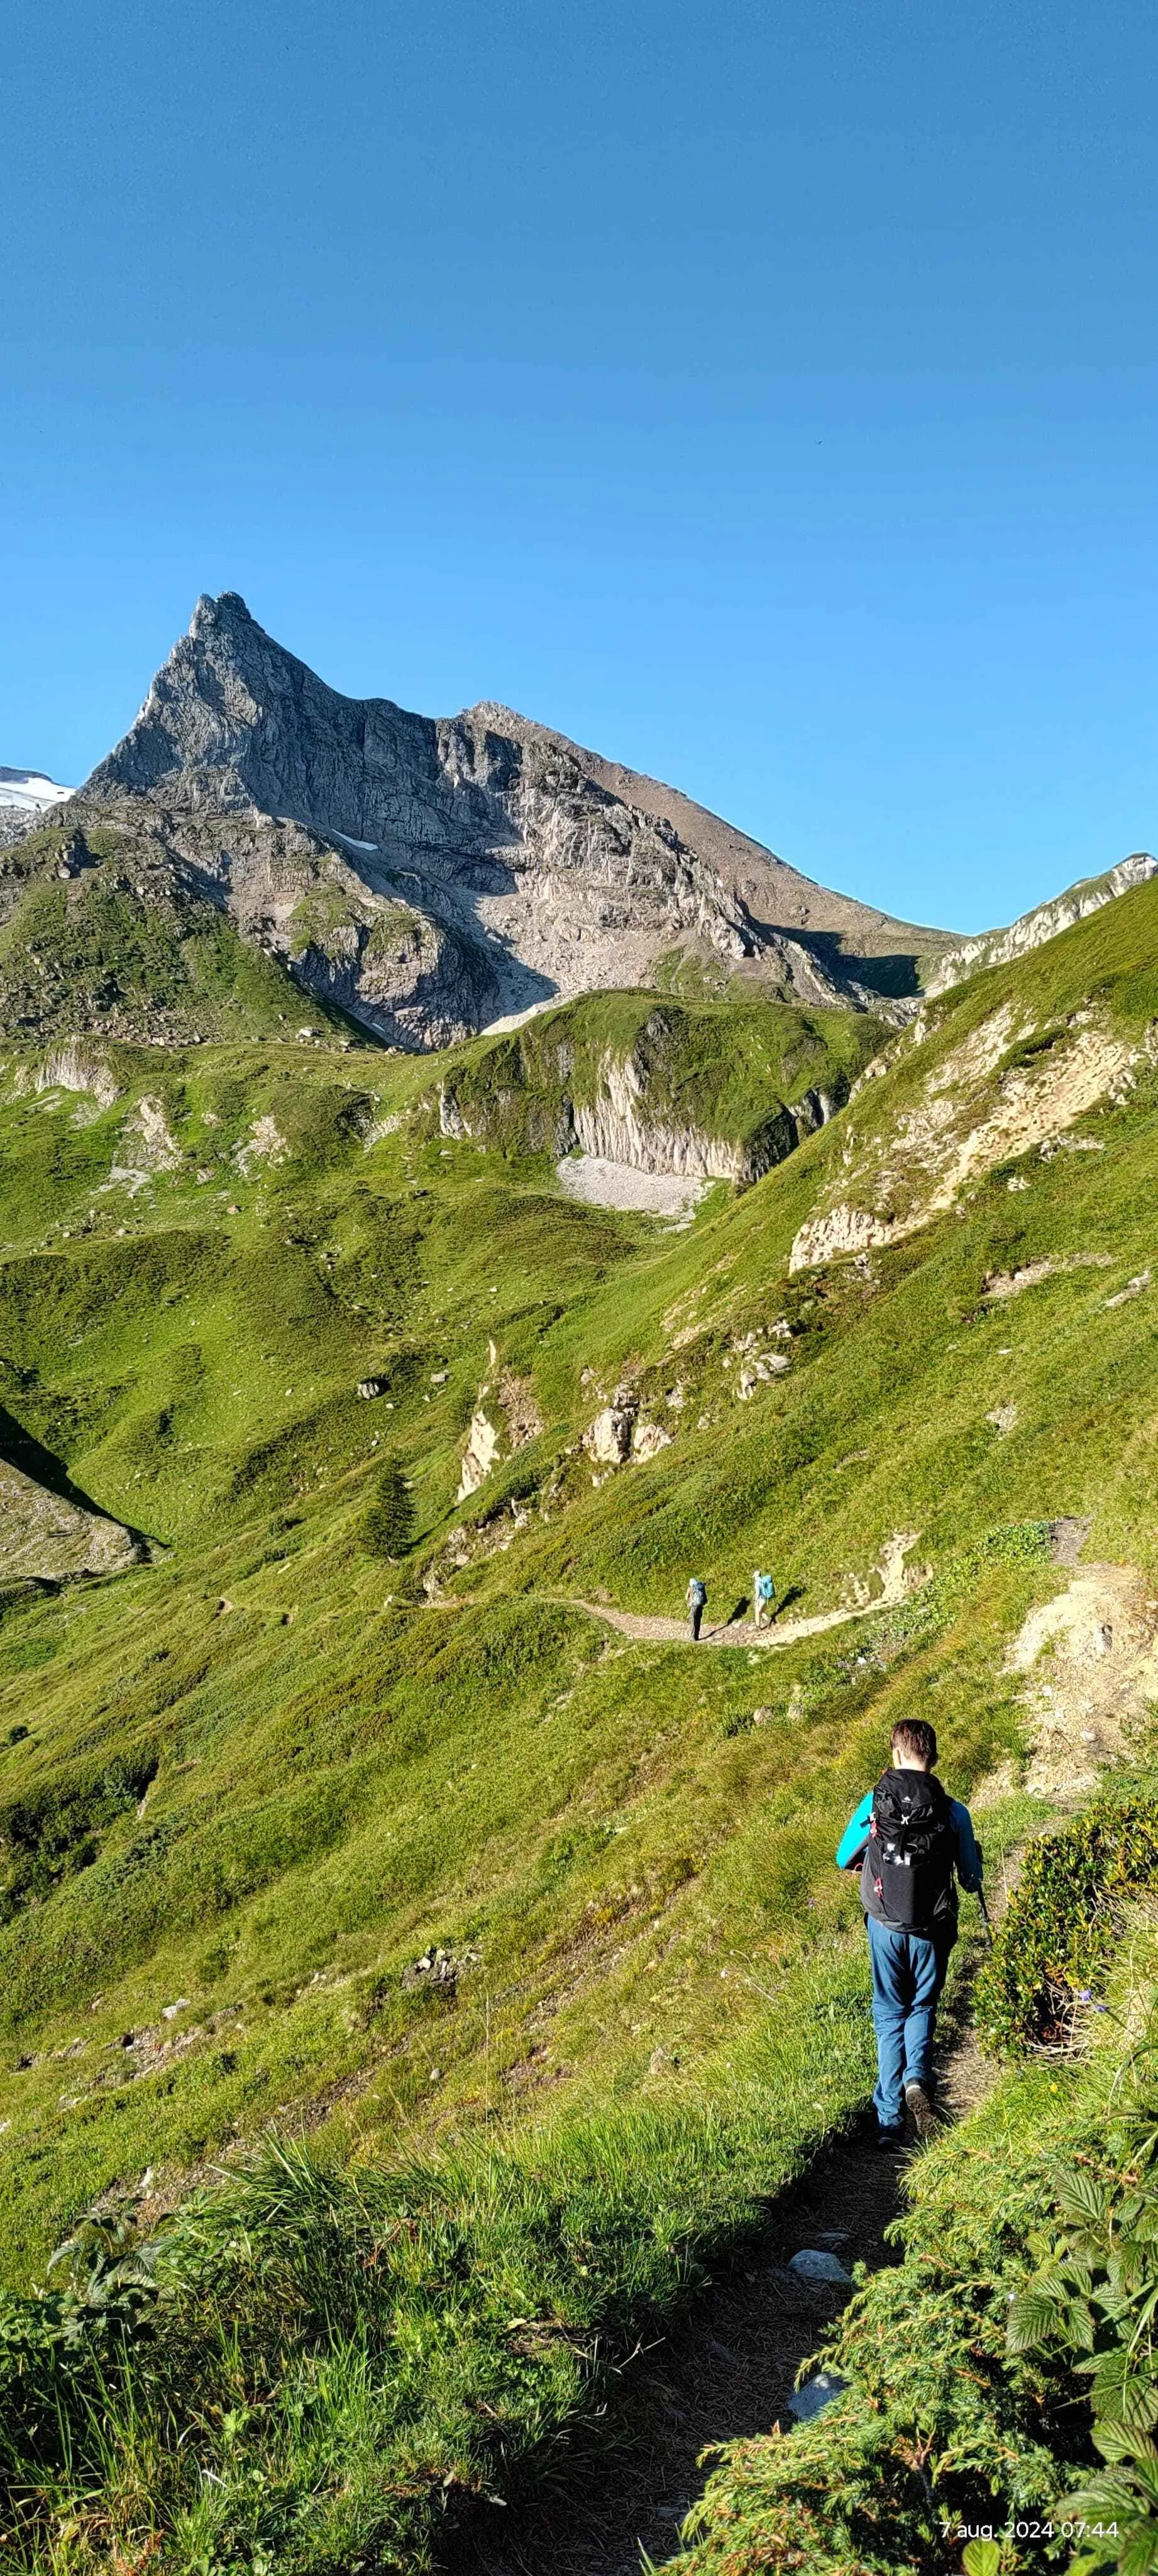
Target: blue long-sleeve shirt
[854,1839]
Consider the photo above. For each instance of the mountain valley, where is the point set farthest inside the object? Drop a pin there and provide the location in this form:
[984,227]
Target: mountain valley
[406,1938]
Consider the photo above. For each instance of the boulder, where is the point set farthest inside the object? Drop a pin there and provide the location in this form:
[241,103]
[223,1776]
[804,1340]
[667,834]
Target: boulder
[482,1443]
[648,1438]
[608,1438]
[815,2263]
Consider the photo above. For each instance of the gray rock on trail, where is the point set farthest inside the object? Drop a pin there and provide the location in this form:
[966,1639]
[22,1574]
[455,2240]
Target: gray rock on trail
[815,2263]
[817,2393]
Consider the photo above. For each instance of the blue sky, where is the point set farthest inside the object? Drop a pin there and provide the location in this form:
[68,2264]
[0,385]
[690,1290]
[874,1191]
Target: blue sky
[763,394]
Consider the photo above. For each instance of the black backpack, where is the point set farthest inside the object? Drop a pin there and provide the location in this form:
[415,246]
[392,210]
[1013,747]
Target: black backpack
[907,1877]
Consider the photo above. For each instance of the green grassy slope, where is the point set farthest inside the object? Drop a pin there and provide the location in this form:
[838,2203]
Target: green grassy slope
[99,931]
[266,1774]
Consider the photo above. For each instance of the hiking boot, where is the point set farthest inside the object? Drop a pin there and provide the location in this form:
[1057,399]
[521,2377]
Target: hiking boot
[923,2115]
[890,2142]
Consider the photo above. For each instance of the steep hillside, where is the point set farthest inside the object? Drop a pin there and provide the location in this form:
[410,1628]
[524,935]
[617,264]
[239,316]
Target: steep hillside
[408,1820]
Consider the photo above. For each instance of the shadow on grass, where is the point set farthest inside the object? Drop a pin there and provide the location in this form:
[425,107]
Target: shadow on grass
[21,1449]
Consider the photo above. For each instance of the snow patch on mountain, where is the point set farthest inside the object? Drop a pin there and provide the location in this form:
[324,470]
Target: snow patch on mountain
[30,789]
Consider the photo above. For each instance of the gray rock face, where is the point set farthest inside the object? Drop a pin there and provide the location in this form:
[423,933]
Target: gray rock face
[619,1126]
[434,875]
[999,947]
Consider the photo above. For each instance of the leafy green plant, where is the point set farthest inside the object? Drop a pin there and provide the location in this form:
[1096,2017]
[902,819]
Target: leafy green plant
[1092,2304]
[1059,1932]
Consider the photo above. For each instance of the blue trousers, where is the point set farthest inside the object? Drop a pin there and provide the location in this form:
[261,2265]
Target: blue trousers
[908,1973]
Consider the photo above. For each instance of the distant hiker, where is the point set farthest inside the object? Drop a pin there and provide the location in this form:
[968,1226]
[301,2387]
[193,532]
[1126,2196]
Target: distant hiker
[911,1843]
[764,1594]
[696,1598]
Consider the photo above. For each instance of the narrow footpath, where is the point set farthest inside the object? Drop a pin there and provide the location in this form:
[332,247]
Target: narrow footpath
[897,1583]
[731,1632]
[724,2373]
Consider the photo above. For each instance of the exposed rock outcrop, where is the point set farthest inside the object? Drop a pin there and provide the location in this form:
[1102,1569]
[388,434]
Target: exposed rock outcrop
[77,1065]
[619,1126]
[505,1418]
[1090,1661]
[1002,1092]
[608,1439]
[547,1090]
[998,947]
[620,1431]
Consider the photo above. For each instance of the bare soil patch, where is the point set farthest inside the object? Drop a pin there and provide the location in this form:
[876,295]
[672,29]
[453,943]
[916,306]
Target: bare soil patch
[621,1185]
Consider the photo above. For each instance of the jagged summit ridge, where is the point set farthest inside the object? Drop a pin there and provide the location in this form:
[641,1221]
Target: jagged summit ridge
[528,869]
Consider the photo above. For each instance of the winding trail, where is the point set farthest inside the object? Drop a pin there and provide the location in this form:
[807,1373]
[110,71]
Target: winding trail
[898,1583]
[733,1632]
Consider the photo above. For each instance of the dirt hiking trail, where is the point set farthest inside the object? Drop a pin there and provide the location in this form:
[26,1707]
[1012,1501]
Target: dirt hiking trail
[897,1581]
[724,2372]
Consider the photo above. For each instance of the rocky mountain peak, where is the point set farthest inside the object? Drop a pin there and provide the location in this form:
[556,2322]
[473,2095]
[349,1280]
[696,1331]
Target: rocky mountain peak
[436,875]
[227,610]
[451,871]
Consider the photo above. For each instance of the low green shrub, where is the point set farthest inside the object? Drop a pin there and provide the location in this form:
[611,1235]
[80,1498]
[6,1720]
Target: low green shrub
[1059,1933]
[387,1524]
[1092,2307]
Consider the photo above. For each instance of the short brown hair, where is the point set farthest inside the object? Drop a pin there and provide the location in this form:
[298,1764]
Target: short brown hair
[911,1735]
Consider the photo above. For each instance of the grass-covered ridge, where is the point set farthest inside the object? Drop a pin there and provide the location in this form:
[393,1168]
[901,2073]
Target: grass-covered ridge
[722,1070]
[265,1777]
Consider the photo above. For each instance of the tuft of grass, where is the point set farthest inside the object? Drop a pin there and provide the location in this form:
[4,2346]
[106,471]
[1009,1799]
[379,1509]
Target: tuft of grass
[312,2364]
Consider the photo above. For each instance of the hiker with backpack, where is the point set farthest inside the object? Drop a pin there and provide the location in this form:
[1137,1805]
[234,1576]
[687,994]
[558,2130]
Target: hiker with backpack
[911,1844]
[763,1596]
[696,1597]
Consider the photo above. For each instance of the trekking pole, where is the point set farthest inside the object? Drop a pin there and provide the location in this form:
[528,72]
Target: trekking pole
[985,1916]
